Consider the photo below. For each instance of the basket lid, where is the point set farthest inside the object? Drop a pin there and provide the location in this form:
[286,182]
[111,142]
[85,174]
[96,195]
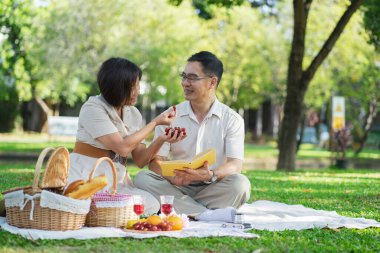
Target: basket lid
[57,169]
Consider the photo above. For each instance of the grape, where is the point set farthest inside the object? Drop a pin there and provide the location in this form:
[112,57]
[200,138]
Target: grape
[172,131]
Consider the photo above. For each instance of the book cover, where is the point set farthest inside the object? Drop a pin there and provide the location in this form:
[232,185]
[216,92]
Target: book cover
[168,167]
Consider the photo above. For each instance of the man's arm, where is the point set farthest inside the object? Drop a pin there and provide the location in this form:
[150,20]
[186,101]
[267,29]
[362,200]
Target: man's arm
[154,166]
[232,166]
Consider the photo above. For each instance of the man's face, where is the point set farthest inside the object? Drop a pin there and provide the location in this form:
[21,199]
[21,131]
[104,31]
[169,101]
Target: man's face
[196,84]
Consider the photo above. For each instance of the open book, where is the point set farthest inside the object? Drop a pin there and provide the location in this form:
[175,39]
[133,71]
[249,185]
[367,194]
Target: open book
[168,167]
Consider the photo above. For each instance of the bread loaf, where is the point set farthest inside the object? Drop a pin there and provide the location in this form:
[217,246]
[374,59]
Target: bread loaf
[57,169]
[73,186]
[87,189]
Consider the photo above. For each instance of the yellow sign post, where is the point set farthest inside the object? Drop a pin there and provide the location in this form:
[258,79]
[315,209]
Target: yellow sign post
[338,113]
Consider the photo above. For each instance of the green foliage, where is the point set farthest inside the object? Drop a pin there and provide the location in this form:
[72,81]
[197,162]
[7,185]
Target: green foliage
[56,48]
[372,21]
[253,62]
[14,63]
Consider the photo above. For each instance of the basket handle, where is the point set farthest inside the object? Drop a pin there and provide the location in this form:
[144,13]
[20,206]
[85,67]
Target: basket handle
[39,166]
[113,171]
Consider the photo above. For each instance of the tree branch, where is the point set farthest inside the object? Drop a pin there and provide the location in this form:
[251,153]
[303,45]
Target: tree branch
[307,7]
[330,42]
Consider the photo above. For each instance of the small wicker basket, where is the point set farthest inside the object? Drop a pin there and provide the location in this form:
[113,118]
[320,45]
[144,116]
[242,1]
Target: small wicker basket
[110,209]
[32,207]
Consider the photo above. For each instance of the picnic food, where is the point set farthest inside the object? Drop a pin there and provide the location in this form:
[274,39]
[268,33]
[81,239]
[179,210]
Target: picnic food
[43,206]
[130,223]
[176,222]
[145,226]
[74,186]
[57,169]
[89,188]
[154,220]
[156,223]
[172,130]
[174,109]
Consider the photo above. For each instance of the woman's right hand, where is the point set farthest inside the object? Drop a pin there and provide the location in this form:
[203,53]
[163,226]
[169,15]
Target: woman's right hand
[166,118]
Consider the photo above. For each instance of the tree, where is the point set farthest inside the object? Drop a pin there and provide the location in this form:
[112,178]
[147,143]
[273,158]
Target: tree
[14,62]
[298,77]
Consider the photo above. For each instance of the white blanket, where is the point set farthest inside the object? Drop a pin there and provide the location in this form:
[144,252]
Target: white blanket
[262,215]
[195,229]
[274,216]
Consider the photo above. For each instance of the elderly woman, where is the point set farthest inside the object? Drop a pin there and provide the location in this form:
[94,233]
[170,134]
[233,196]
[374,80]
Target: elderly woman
[109,125]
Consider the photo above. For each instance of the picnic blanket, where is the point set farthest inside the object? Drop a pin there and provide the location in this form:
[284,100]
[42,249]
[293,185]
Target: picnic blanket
[275,216]
[262,215]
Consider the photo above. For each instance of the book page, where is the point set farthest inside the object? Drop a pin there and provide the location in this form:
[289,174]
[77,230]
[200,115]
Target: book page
[168,167]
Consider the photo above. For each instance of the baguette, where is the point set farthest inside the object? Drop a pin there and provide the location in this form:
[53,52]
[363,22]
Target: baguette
[74,186]
[88,189]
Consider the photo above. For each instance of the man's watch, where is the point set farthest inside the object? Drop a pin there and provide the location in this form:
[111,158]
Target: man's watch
[213,178]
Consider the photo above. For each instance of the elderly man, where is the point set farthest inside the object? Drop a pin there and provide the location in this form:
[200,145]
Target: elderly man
[210,192]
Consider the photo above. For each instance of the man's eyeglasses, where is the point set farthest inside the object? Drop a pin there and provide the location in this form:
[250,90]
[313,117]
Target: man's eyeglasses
[192,77]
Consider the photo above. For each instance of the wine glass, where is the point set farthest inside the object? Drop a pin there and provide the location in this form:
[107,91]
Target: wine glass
[166,204]
[138,205]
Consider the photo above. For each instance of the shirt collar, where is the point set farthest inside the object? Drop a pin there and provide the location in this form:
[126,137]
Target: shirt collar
[216,109]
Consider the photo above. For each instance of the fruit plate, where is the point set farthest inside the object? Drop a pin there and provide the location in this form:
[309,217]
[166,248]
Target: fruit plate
[150,232]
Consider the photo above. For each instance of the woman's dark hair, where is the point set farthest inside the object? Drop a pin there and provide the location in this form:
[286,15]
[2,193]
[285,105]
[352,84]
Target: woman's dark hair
[212,66]
[116,78]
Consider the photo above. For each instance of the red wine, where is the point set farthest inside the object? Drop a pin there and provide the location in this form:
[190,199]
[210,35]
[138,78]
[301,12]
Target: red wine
[138,209]
[166,208]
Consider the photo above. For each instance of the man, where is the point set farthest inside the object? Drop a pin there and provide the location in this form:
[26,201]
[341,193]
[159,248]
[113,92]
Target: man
[209,124]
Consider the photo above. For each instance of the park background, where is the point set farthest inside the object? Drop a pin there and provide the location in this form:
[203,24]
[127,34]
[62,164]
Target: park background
[280,76]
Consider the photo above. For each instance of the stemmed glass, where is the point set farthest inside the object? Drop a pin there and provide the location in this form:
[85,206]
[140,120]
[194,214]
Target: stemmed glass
[138,205]
[166,204]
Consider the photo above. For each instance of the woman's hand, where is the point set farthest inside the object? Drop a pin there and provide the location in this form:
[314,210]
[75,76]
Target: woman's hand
[166,118]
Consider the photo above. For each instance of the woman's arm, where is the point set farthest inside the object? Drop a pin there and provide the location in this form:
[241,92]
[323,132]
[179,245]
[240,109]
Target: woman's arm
[124,146]
[142,155]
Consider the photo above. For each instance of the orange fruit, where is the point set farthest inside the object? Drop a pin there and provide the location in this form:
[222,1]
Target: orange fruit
[176,221]
[154,220]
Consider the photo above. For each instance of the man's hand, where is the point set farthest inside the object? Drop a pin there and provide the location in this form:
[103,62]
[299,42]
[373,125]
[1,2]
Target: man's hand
[187,176]
[177,136]
[180,181]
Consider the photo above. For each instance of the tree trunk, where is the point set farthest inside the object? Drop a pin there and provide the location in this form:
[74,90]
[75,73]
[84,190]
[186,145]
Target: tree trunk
[34,113]
[371,114]
[298,80]
[302,131]
[294,95]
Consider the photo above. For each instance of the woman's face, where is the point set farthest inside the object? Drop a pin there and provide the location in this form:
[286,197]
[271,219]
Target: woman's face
[135,92]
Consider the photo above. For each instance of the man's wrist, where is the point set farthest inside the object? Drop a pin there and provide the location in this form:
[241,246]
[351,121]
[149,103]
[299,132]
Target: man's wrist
[213,178]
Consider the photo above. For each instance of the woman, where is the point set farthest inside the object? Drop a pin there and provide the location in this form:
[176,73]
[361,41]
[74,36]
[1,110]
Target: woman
[110,125]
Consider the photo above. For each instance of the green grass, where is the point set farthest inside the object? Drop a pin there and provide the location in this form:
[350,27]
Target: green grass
[354,193]
[32,147]
[307,151]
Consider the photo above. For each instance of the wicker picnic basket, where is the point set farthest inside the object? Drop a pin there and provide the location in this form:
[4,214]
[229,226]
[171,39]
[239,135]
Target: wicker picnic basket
[110,209]
[39,206]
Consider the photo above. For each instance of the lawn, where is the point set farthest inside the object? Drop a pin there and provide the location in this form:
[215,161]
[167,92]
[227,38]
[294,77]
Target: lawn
[354,193]
[258,151]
